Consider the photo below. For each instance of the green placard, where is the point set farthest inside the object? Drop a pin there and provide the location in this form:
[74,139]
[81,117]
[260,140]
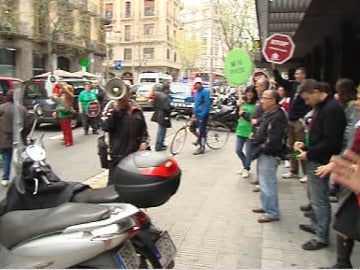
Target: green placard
[238,67]
[85,62]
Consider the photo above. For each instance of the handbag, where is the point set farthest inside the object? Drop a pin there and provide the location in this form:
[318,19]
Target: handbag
[103,151]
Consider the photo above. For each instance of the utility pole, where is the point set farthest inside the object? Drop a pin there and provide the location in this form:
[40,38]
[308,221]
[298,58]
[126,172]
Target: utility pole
[211,45]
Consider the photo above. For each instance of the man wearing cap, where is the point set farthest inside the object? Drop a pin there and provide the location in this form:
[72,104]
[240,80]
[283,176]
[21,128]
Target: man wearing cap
[200,115]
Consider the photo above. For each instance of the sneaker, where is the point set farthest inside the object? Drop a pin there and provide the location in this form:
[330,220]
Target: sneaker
[195,143]
[289,175]
[5,183]
[240,171]
[287,164]
[303,179]
[245,174]
[198,151]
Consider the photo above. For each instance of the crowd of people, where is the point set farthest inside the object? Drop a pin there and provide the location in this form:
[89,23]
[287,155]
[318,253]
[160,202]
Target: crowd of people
[307,123]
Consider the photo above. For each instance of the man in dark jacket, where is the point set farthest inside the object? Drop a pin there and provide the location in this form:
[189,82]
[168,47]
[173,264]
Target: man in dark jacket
[325,139]
[297,110]
[161,116]
[269,143]
[127,130]
[6,133]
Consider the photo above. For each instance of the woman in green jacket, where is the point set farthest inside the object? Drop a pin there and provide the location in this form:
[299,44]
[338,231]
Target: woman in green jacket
[244,130]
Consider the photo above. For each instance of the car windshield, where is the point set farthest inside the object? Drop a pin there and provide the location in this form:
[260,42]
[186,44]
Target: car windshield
[181,89]
[35,90]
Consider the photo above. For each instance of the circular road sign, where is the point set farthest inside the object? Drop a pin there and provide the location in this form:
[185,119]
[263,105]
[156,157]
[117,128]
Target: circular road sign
[238,67]
[278,48]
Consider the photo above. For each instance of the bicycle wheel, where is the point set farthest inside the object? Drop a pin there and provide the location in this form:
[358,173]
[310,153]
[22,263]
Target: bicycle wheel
[217,135]
[178,141]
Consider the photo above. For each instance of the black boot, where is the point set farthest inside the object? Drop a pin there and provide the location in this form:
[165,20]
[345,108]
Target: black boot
[343,253]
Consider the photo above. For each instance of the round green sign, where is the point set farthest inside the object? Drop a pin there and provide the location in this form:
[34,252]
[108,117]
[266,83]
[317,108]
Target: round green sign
[85,62]
[238,67]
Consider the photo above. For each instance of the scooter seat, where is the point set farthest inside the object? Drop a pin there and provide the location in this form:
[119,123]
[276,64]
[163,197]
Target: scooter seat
[18,226]
[100,195]
[12,261]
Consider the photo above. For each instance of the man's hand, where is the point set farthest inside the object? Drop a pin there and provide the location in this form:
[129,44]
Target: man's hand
[325,170]
[298,146]
[254,122]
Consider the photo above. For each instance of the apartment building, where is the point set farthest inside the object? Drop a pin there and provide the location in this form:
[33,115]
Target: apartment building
[140,35]
[37,36]
[197,19]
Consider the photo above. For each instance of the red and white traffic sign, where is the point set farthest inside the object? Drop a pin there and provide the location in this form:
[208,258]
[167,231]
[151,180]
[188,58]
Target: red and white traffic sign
[259,74]
[278,48]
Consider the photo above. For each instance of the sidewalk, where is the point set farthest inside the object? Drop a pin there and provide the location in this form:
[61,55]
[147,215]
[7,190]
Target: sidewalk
[211,222]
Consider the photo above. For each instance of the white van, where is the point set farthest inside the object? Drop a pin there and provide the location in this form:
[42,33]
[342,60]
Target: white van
[154,78]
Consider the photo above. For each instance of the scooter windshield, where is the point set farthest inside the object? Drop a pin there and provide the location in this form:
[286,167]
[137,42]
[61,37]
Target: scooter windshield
[18,145]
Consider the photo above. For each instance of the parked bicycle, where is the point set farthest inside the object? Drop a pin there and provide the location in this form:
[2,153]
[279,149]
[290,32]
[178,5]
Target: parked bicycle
[217,134]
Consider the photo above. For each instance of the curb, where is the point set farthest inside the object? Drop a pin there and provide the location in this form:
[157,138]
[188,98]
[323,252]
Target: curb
[99,180]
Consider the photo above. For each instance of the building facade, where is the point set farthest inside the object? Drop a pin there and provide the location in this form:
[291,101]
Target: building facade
[199,20]
[141,36]
[40,36]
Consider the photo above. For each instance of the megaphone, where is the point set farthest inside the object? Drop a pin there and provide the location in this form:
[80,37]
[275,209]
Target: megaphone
[116,88]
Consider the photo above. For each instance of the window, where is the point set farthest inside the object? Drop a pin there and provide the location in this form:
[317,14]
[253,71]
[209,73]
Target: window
[109,30]
[168,54]
[168,32]
[127,33]
[38,64]
[149,53]
[175,57]
[149,29]
[127,9]
[127,54]
[109,11]
[149,8]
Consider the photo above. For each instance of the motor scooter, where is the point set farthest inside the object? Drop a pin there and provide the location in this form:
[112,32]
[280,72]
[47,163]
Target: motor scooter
[41,188]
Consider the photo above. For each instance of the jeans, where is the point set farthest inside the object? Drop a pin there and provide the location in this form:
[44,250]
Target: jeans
[245,158]
[318,192]
[6,156]
[89,121]
[267,168]
[160,137]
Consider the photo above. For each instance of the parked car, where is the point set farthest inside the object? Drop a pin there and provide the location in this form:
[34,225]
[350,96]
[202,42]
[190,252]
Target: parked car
[35,93]
[145,95]
[8,83]
[182,97]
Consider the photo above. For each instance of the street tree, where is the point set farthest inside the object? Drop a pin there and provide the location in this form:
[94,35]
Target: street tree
[189,49]
[237,23]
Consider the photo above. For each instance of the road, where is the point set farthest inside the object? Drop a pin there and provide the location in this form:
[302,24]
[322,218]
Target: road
[80,162]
